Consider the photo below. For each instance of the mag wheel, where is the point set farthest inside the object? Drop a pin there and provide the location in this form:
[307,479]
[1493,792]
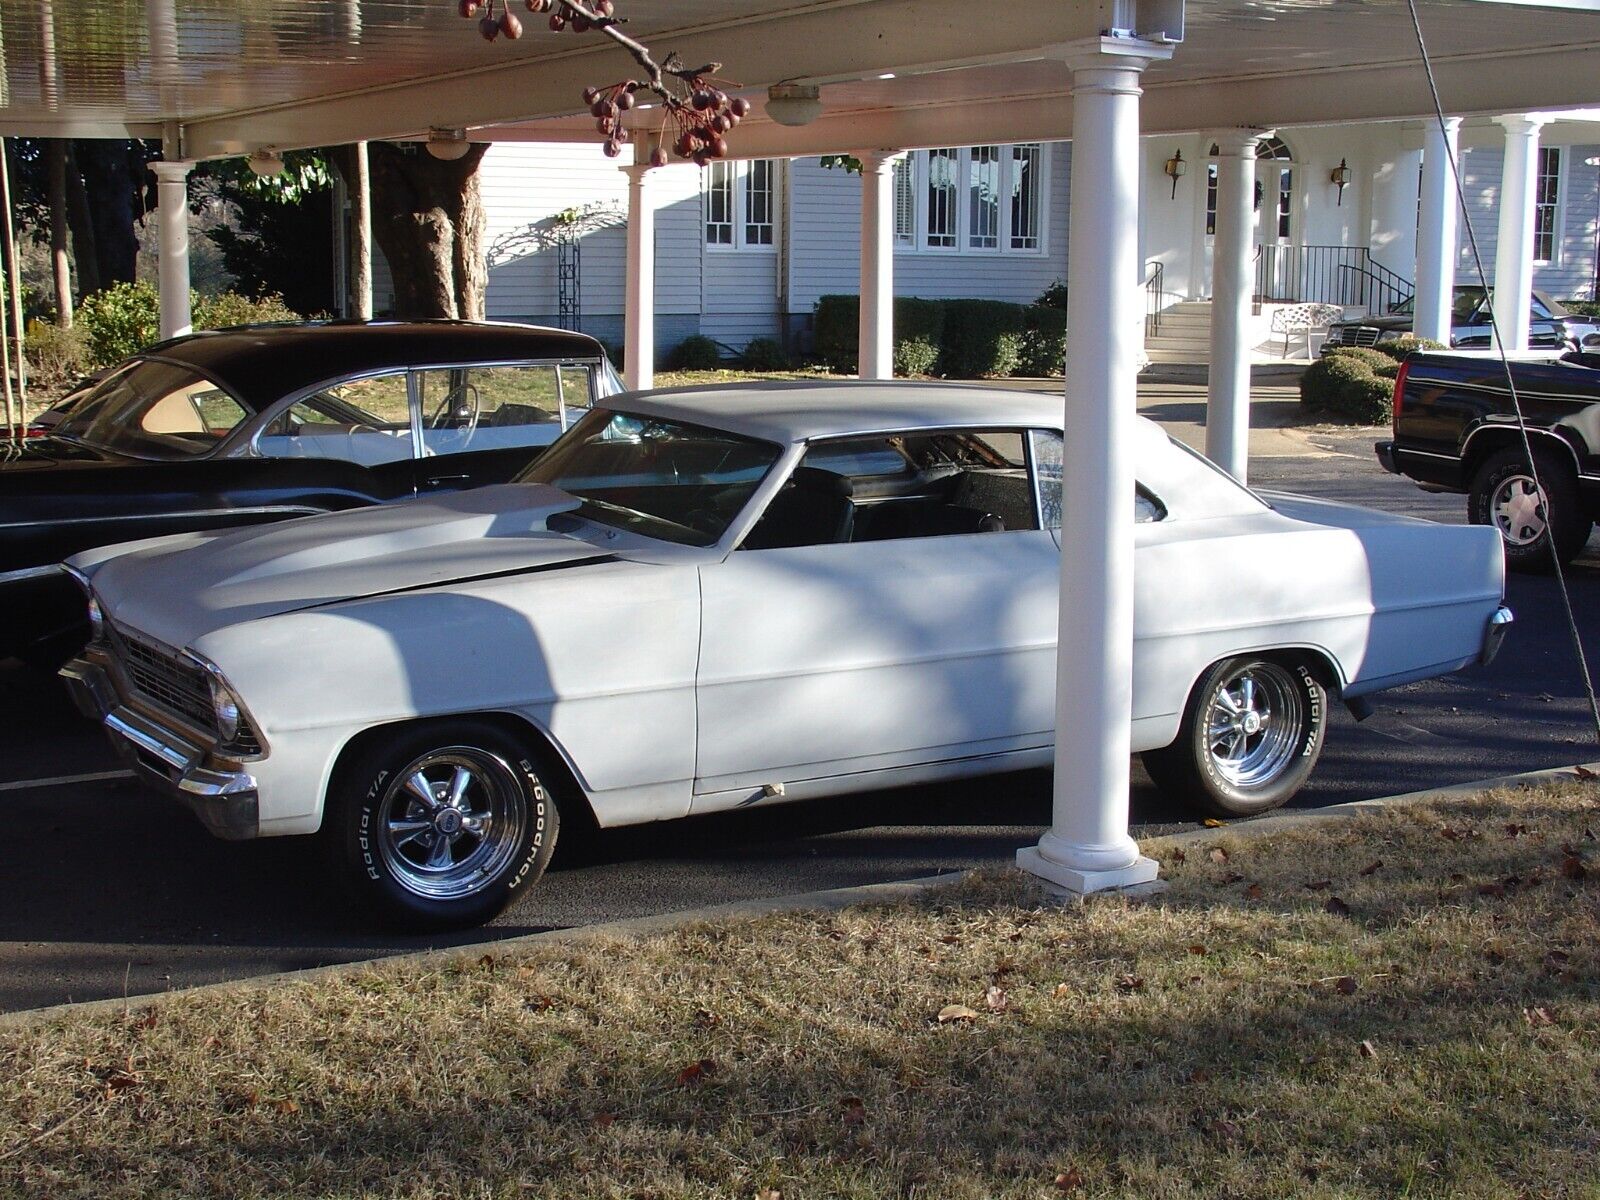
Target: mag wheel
[1531,516]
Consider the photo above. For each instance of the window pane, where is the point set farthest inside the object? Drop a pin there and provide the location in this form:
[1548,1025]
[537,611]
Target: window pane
[983,198]
[758,203]
[467,409]
[365,421]
[1025,197]
[1285,200]
[1546,193]
[1047,454]
[905,201]
[719,204]
[942,167]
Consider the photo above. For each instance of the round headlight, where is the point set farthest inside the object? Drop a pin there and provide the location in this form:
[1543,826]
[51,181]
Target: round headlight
[226,709]
[97,621]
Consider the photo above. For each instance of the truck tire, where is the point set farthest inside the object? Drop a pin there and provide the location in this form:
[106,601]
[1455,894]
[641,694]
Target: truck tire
[1530,518]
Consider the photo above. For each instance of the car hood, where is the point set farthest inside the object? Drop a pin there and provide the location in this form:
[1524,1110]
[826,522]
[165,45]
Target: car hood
[1395,321]
[177,590]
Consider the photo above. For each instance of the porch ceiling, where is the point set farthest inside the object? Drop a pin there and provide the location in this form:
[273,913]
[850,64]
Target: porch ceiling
[286,73]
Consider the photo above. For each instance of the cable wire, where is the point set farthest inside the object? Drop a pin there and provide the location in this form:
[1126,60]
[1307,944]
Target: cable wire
[1505,367]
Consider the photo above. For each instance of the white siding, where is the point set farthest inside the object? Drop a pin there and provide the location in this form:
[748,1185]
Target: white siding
[1571,276]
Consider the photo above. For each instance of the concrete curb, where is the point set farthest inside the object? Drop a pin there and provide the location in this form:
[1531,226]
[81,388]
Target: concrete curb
[823,901]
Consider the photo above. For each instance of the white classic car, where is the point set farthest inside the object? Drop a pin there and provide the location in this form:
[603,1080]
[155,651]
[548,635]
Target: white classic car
[709,598]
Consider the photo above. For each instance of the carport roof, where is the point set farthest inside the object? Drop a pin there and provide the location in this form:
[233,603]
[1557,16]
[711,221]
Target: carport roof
[282,73]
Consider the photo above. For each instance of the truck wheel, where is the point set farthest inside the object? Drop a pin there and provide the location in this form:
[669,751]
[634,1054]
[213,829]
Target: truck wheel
[440,826]
[1250,736]
[1530,518]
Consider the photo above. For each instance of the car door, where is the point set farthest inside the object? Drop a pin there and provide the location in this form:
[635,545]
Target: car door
[484,423]
[887,611]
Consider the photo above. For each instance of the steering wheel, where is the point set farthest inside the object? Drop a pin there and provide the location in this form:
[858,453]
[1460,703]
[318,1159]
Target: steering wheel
[462,404]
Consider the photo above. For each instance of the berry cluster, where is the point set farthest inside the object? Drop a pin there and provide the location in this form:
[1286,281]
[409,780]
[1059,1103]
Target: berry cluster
[490,25]
[704,118]
[607,105]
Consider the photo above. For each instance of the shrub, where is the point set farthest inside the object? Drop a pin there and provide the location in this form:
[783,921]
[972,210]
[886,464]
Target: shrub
[1368,401]
[119,321]
[696,353]
[1054,296]
[1346,388]
[915,356]
[1582,308]
[1044,342]
[982,339]
[231,308]
[918,328]
[764,354]
[1373,358]
[1319,386]
[55,355]
[1402,346]
[835,332]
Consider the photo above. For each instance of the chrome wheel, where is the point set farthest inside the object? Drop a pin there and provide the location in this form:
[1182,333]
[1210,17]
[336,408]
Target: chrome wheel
[450,822]
[1253,722]
[1518,509]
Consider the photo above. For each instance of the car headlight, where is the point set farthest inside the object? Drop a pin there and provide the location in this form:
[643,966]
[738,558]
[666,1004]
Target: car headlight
[225,707]
[97,621]
[1392,335]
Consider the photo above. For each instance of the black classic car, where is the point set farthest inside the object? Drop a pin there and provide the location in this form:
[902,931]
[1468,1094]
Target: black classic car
[1549,324]
[1455,430]
[254,424]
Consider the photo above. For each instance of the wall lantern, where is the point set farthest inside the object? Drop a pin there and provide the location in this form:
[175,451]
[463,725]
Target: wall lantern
[794,103]
[1176,168]
[266,163]
[448,145]
[1340,178]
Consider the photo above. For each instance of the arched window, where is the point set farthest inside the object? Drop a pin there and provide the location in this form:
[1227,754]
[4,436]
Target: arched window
[1268,149]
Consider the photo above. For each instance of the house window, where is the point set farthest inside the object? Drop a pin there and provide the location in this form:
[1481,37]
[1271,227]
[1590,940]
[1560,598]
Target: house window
[1547,192]
[741,203]
[1285,200]
[905,202]
[983,199]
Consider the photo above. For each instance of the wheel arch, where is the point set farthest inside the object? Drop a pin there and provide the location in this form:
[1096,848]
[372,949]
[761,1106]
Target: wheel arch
[1322,664]
[1488,439]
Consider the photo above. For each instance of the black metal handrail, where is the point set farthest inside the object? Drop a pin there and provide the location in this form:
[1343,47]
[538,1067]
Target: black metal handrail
[1343,275]
[1155,297]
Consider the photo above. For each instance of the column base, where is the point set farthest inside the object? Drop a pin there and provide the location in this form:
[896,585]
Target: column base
[1141,871]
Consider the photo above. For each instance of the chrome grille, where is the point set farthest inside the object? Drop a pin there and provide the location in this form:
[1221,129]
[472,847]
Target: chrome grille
[1354,335]
[165,679]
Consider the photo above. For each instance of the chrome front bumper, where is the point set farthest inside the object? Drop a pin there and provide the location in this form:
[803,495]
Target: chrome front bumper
[1494,633]
[226,802]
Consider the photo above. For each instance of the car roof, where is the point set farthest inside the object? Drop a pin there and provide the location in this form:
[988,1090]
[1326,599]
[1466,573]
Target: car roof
[796,411]
[262,363]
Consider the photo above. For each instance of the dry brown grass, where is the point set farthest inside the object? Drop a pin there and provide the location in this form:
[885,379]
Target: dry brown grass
[1435,1032]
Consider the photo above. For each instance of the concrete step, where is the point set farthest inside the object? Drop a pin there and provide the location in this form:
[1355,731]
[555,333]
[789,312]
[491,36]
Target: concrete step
[1194,345]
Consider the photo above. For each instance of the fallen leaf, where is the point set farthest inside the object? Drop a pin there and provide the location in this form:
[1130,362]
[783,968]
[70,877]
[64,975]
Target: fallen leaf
[148,1020]
[1494,955]
[1177,856]
[1368,1050]
[951,939]
[956,1012]
[769,1194]
[1537,1017]
[996,1000]
[1319,885]
[1233,877]
[1572,867]
[1197,948]
[1224,1130]
[1200,1075]
[604,1120]
[1336,906]
[1253,892]
[1449,835]
[1069,1180]
[705,1019]
[1583,772]
[1495,890]
[1372,868]
[285,1107]
[1556,961]
[696,1073]
[1218,855]
[487,963]
[1346,986]
[1213,823]
[1062,989]
[1515,831]
[538,1004]
[1128,984]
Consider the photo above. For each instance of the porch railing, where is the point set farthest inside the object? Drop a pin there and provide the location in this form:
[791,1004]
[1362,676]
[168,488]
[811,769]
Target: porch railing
[1343,275]
[1155,297]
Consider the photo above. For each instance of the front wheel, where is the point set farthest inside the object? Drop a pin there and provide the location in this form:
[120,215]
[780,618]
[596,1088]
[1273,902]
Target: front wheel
[1250,736]
[1530,516]
[440,826]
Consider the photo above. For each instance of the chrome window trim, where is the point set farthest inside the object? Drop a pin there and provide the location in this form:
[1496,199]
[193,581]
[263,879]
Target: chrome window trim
[36,572]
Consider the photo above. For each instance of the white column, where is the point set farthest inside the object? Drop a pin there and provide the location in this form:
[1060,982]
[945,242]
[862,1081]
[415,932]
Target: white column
[639,342]
[1513,252]
[1087,847]
[1228,389]
[876,341]
[172,204]
[1436,232]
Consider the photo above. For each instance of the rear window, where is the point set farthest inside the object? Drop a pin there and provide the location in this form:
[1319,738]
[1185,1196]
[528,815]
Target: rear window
[157,410]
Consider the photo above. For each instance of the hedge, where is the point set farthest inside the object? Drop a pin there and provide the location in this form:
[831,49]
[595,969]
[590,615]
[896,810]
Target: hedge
[1345,387]
[126,317]
[959,339]
[695,353]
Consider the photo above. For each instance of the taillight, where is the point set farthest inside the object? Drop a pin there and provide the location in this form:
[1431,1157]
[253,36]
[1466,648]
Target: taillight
[1399,390]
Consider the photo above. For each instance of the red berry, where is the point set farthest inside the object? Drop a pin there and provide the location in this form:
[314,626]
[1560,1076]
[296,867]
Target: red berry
[658,157]
[581,23]
[717,147]
[625,100]
[684,145]
[701,99]
[590,95]
[537,6]
[740,107]
[718,124]
[719,99]
[510,25]
[468,8]
[557,22]
[490,28]
[604,7]
[613,147]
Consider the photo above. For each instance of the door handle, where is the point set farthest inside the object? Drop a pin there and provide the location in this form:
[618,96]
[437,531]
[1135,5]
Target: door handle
[440,480]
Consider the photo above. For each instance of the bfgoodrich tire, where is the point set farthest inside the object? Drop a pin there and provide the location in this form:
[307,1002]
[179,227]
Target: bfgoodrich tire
[1530,517]
[1251,734]
[440,826]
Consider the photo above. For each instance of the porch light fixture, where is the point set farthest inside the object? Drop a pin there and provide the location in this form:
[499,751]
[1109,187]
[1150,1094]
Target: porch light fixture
[1176,169]
[448,145]
[266,163]
[794,103]
[1340,178]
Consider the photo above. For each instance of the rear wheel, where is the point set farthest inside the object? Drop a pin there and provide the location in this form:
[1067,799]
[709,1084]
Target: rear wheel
[1530,517]
[1250,736]
[440,826]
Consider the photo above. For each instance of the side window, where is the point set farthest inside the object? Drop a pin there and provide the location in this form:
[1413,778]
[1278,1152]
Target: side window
[912,485]
[577,384]
[1046,448]
[364,421]
[467,409]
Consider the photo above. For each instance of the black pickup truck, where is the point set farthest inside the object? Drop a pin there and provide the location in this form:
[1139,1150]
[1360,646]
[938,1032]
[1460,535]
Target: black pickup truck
[1455,430]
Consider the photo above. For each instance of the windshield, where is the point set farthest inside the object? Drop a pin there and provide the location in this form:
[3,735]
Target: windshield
[155,409]
[664,479]
[1466,302]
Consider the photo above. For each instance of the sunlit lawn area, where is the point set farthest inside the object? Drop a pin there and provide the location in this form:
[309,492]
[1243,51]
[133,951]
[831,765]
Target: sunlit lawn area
[1402,1004]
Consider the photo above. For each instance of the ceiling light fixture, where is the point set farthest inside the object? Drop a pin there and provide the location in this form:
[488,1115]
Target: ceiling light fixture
[794,103]
[448,145]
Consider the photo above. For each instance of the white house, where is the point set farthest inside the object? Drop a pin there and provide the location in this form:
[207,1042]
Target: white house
[744,249]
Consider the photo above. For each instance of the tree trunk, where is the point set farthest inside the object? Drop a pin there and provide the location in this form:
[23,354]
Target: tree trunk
[112,184]
[55,151]
[360,189]
[429,221]
[82,227]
